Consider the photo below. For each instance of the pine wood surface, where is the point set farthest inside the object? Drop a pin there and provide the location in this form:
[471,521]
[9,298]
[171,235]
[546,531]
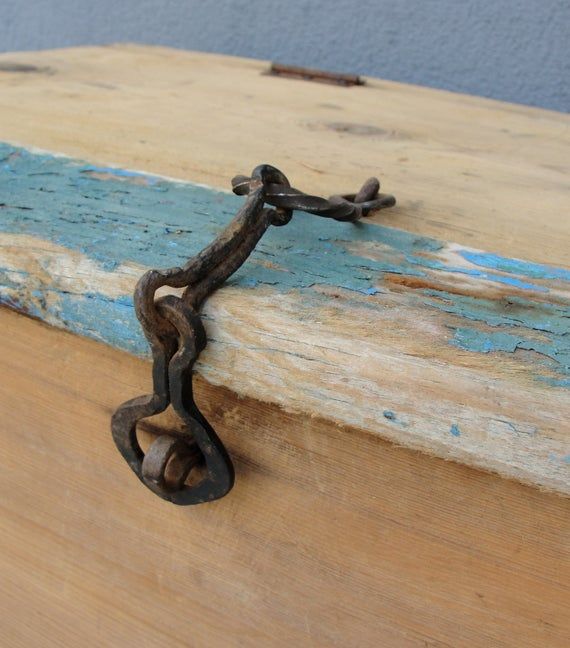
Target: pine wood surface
[331,537]
[483,173]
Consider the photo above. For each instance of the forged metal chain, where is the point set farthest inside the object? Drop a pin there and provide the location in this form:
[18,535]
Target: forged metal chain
[176,334]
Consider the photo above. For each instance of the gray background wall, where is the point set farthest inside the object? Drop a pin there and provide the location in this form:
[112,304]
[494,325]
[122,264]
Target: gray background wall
[516,50]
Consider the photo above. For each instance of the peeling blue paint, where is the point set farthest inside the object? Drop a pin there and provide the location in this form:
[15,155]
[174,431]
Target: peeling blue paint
[454,430]
[514,281]
[515,266]
[487,342]
[391,416]
[472,339]
[524,324]
[114,216]
[435,264]
[559,458]
[365,291]
[70,204]
[249,283]
[115,320]
[509,311]
[122,173]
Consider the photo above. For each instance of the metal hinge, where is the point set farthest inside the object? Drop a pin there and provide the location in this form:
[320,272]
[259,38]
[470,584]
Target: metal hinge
[311,74]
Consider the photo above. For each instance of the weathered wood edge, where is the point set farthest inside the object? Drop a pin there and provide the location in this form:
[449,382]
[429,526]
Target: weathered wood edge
[371,324]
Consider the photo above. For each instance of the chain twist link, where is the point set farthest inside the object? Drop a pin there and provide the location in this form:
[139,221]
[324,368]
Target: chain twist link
[176,335]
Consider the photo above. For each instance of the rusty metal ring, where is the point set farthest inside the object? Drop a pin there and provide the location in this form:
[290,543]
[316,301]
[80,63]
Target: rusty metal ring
[168,462]
[176,334]
[346,207]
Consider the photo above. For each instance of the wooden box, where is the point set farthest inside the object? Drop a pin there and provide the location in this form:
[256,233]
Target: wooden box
[394,394]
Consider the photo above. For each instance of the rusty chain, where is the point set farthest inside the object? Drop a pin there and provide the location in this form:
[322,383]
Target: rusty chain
[176,334]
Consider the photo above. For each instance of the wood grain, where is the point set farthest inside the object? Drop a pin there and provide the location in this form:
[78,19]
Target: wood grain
[479,172]
[330,538]
[437,346]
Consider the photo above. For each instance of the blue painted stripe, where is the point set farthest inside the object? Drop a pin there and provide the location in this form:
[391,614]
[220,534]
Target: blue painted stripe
[114,216]
[515,266]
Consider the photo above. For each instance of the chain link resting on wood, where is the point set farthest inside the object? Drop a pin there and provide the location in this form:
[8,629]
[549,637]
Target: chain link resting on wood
[176,335]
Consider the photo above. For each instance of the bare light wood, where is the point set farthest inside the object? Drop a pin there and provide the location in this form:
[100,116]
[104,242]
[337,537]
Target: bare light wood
[483,173]
[331,537]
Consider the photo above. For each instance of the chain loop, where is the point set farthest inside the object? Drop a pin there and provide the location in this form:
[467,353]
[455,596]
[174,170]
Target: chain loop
[176,334]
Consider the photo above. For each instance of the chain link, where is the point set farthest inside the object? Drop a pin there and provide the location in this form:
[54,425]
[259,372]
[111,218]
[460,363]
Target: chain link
[176,334]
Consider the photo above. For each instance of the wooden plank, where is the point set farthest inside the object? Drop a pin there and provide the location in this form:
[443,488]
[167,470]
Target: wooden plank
[331,537]
[482,173]
[438,346]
